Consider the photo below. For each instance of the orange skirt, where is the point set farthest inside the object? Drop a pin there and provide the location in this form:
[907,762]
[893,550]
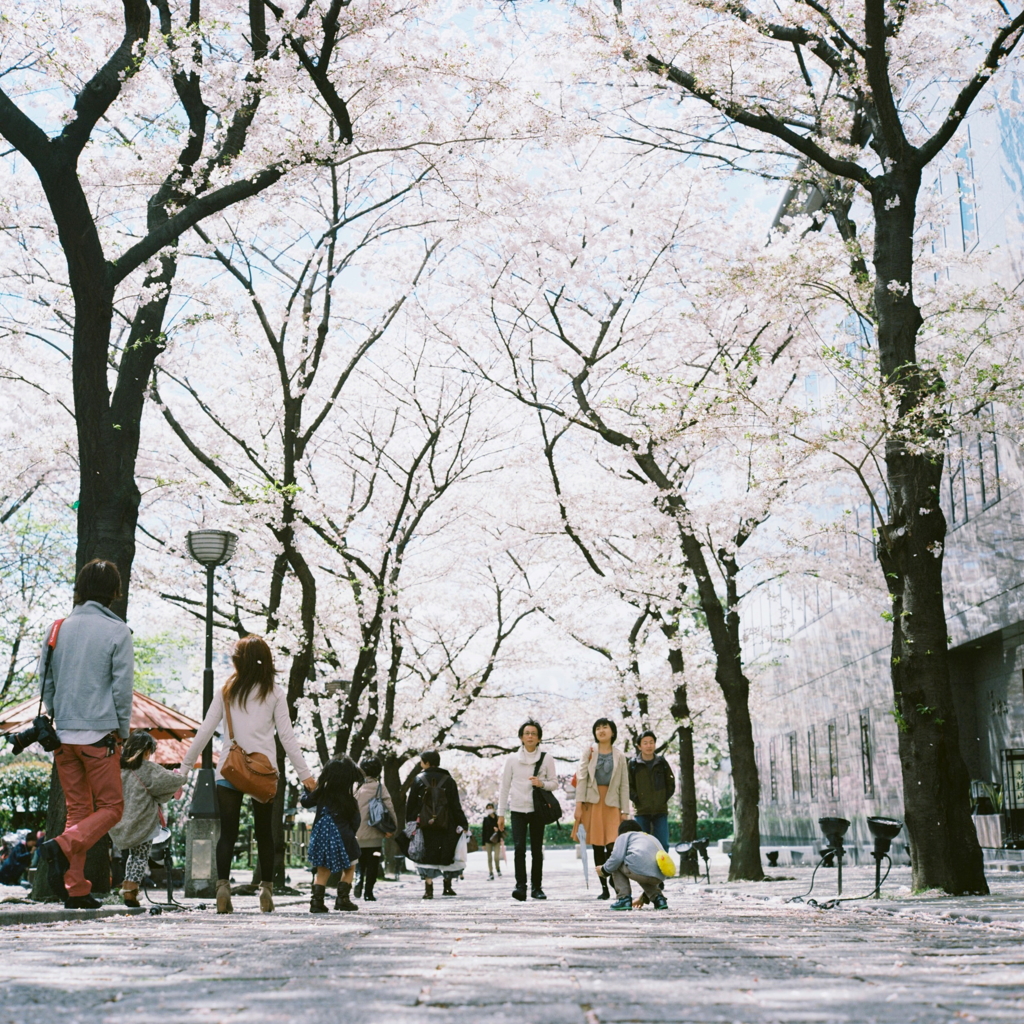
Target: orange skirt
[600,820]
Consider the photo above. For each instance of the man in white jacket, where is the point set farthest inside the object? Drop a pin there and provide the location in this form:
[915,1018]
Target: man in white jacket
[530,767]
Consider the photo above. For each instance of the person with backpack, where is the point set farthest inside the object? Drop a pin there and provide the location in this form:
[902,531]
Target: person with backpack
[529,768]
[377,822]
[651,785]
[146,785]
[87,669]
[435,804]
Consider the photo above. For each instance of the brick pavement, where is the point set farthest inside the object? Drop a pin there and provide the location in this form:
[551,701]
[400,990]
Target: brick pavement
[734,953]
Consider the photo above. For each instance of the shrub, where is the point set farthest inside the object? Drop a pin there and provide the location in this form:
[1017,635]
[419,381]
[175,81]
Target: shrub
[24,794]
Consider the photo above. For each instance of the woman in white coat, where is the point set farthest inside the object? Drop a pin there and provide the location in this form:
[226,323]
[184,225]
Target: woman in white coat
[259,709]
[527,769]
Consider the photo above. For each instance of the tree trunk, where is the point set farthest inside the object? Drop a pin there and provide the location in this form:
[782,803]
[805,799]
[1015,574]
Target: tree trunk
[936,784]
[687,781]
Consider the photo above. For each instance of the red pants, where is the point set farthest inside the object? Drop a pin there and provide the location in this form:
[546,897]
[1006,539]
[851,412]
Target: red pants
[91,779]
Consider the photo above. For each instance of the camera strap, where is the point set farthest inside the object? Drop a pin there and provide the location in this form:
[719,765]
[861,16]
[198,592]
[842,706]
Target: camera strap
[51,642]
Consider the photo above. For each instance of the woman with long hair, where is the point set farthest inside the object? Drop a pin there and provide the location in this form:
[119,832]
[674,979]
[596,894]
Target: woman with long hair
[333,847]
[259,710]
[602,794]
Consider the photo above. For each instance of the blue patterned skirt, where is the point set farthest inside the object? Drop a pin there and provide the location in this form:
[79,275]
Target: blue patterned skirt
[327,847]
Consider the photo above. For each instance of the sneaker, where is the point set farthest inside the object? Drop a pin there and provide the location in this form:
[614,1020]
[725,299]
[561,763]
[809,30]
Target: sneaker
[86,902]
[538,894]
[622,903]
[56,864]
[519,893]
[490,878]
[660,903]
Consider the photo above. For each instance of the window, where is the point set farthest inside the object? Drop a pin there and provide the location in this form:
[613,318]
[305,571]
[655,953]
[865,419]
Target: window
[794,765]
[812,765]
[833,761]
[865,754]
[988,466]
[965,186]
[773,773]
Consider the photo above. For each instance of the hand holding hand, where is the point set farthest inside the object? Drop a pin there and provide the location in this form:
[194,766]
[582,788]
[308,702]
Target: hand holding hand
[309,783]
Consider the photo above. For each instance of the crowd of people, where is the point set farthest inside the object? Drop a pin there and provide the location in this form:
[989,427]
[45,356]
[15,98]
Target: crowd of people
[112,784]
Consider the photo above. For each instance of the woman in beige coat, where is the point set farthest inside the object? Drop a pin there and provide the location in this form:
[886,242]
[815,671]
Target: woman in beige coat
[602,794]
[371,839]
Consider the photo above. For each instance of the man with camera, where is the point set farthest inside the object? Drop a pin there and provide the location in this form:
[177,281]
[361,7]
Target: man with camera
[87,669]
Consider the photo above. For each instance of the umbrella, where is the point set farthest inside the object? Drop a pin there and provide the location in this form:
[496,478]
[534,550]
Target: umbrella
[581,834]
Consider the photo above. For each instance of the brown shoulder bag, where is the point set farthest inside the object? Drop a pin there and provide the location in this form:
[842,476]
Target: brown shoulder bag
[250,773]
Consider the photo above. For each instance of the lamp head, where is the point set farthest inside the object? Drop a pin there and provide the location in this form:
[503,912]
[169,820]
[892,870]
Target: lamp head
[833,830]
[885,831]
[211,547]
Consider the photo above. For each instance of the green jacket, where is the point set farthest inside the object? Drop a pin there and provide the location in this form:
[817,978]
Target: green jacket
[651,785]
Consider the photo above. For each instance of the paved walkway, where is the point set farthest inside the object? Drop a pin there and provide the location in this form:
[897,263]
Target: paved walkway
[725,955]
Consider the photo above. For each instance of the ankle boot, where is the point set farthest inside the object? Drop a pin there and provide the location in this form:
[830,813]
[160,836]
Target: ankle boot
[448,890]
[369,894]
[266,897]
[428,888]
[316,901]
[130,894]
[344,900]
[604,894]
[224,896]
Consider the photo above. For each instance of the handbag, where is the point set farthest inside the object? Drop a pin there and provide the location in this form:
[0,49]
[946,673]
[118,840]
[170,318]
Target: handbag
[377,814]
[474,844]
[416,844]
[545,803]
[250,773]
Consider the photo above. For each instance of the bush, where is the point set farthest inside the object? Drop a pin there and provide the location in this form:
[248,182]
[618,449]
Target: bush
[24,794]
[707,828]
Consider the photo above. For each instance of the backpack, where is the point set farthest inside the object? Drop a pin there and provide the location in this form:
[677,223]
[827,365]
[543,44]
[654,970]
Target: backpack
[434,808]
[377,814]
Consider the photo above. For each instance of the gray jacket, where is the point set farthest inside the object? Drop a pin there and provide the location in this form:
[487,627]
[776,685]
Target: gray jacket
[146,787]
[637,852]
[89,686]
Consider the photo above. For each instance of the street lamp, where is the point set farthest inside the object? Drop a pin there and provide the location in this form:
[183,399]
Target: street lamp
[210,548]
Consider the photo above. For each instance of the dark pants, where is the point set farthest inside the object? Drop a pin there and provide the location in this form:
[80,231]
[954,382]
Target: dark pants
[91,778]
[369,859]
[654,825]
[229,802]
[521,824]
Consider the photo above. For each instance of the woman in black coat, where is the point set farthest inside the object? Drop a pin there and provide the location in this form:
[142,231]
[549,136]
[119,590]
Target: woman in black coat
[434,801]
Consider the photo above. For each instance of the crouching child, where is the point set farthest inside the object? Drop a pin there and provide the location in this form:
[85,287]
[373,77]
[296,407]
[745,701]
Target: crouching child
[634,857]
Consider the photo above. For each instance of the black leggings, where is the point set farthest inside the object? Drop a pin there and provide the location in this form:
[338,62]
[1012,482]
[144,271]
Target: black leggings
[229,802]
[601,854]
[369,859]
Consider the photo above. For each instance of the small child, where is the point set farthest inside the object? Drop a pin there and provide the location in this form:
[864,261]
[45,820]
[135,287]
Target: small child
[146,785]
[333,846]
[634,857]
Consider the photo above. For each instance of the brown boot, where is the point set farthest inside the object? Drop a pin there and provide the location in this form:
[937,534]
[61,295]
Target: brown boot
[224,896]
[428,888]
[266,897]
[130,894]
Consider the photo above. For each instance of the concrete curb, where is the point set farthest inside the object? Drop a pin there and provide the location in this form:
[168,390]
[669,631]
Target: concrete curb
[46,915]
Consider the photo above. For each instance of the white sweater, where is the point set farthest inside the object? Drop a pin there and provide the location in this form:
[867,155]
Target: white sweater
[516,787]
[254,727]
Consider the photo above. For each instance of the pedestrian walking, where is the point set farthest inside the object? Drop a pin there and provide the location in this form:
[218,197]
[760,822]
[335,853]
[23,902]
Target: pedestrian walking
[435,804]
[651,785]
[634,857]
[333,847]
[146,785]
[258,710]
[87,669]
[530,767]
[602,794]
[492,837]
[370,837]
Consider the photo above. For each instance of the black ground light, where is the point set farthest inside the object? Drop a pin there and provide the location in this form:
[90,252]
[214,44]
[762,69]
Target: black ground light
[698,846]
[885,830]
[834,829]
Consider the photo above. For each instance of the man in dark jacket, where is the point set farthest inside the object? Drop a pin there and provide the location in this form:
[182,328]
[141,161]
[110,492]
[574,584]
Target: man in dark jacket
[651,785]
[434,800]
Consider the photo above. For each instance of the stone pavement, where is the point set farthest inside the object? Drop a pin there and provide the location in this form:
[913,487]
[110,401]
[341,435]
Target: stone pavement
[733,953]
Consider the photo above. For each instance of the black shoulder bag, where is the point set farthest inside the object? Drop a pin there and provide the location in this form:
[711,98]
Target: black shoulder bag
[545,803]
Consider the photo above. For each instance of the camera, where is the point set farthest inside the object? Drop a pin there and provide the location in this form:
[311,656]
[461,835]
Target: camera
[41,731]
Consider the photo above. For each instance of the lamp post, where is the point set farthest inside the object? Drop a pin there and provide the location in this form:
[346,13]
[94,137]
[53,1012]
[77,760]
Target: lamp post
[210,548]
